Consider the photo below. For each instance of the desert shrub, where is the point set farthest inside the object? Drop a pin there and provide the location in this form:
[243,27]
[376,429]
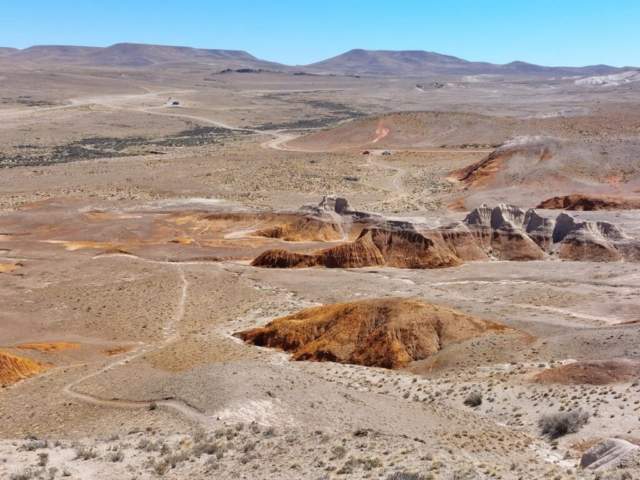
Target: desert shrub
[339,452]
[116,456]
[199,436]
[371,463]
[164,449]
[175,459]
[348,467]
[148,445]
[211,464]
[406,476]
[34,444]
[160,467]
[248,447]
[85,453]
[474,399]
[207,447]
[43,459]
[27,474]
[556,425]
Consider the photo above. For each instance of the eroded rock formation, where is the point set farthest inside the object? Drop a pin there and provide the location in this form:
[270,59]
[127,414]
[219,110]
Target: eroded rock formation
[387,332]
[504,232]
[374,246]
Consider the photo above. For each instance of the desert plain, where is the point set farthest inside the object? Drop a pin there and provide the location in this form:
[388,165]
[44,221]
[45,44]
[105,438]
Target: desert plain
[219,267]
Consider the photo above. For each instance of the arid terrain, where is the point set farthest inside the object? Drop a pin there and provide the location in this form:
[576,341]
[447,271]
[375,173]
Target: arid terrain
[393,265]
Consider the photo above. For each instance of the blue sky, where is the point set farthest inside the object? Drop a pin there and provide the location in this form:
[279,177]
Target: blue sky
[560,32]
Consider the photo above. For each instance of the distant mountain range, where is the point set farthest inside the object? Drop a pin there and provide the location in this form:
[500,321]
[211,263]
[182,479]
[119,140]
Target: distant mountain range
[134,55]
[418,62]
[353,62]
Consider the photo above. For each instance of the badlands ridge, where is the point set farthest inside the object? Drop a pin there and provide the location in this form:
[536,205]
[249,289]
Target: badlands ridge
[504,232]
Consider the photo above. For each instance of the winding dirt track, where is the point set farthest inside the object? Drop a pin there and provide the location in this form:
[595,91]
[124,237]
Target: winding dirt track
[170,335]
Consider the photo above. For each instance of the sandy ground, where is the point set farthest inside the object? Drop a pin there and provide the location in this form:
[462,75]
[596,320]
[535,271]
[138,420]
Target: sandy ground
[159,387]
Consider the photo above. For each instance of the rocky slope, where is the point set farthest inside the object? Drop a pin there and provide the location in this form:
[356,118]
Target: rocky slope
[544,171]
[584,202]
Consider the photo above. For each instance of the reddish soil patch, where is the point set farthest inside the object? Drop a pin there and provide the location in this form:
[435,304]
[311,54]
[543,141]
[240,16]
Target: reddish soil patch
[9,267]
[116,351]
[14,368]
[486,170]
[49,347]
[591,373]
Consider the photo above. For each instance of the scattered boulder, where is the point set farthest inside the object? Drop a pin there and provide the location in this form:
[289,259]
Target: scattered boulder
[610,453]
[386,332]
[329,204]
[473,399]
[335,204]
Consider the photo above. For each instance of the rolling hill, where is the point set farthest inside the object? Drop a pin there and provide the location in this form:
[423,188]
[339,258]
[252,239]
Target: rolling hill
[137,55]
[418,62]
